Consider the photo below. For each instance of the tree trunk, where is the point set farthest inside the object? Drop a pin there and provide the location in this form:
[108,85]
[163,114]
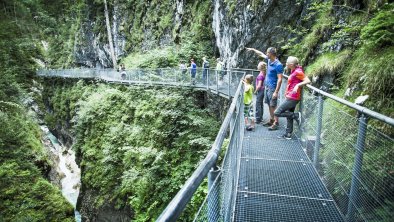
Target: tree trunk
[115,27]
[111,45]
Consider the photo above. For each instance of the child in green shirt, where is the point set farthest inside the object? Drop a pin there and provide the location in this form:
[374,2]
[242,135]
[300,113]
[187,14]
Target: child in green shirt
[248,102]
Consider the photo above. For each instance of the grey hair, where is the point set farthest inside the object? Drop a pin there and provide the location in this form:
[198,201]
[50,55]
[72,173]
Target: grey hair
[272,50]
[293,60]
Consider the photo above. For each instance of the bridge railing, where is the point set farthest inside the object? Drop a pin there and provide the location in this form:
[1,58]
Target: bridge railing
[353,158]
[221,81]
[232,124]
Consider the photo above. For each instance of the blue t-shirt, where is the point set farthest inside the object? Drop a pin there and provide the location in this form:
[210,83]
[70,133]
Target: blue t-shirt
[193,68]
[273,69]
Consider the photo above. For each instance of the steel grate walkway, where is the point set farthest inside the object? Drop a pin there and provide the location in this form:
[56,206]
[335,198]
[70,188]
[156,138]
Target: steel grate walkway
[277,182]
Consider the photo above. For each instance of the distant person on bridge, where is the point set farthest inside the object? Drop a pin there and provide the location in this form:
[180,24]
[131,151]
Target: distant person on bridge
[193,70]
[219,69]
[122,70]
[205,66]
[272,83]
[297,79]
[183,68]
[262,67]
[248,102]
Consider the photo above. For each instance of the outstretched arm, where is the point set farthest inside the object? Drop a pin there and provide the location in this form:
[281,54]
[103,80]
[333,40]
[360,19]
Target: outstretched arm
[259,53]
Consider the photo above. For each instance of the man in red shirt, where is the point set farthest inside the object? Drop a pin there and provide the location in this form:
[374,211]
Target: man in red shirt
[297,79]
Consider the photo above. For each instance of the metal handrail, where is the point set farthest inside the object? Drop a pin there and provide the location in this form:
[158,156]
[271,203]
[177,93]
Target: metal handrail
[359,108]
[178,203]
[354,106]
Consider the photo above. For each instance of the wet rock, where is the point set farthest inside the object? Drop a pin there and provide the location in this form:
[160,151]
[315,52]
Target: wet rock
[106,212]
[258,27]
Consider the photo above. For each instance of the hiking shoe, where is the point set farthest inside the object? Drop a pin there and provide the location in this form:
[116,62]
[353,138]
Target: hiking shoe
[297,118]
[273,127]
[285,136]
[268,123]
[250,128]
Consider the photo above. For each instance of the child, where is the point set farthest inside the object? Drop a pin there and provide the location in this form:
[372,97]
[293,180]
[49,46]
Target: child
[248,101]
[260,92]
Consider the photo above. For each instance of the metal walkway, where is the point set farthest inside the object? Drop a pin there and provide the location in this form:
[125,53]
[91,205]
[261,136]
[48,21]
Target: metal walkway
[264,178]
[278,182]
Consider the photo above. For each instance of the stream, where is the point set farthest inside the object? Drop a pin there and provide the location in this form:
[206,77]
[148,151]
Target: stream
[68,170]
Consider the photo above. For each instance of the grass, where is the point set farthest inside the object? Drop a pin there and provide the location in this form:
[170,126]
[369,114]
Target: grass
[328,63]
[306,47]
[164,57]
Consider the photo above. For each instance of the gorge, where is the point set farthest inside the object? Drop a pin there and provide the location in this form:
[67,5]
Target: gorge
[128,138]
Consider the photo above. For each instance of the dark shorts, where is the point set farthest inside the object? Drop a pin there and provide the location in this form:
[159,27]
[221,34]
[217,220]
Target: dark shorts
[248,110]
[268,97]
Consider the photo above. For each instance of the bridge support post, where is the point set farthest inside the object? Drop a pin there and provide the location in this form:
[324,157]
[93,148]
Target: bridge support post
[213,195]
[217,81]
[176,75]
[358,162]
[229,83]
[318,132]
[207,82]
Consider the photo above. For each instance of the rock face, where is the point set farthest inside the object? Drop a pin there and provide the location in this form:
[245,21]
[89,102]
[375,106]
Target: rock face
[107,212]
[258,26]
[91,50]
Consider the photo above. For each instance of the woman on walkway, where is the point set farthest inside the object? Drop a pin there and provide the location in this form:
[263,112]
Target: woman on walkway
[297,79]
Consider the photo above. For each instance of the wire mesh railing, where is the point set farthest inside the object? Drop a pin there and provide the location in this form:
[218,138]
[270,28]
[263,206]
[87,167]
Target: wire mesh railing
[220,81]
[220,197]
[220,202]
[353,158]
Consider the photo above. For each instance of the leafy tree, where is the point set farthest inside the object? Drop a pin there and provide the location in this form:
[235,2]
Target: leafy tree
[134,142]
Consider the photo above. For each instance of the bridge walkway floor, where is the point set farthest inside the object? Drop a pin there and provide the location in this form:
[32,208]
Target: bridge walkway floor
[278,182]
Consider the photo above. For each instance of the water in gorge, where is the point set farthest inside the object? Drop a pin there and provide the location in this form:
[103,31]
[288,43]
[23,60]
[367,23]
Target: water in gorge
[68,170]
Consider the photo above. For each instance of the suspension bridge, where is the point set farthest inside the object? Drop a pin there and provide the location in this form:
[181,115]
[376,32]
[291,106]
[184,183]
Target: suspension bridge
[337,167]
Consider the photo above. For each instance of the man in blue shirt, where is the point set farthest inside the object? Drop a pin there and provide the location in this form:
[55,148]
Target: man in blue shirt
[272,83]
[193,70]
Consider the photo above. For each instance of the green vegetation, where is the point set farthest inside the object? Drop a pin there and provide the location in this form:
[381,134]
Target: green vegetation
[328,64]
[157,58]
[355,50]
[371,68]
[166,57]
[134,142]
[192,38]
[25,194]
[310,40]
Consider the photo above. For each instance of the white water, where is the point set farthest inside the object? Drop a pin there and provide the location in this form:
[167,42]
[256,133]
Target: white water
[68,168]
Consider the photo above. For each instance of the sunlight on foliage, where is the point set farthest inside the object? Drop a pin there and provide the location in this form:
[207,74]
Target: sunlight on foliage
[135,142]
[328,63]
